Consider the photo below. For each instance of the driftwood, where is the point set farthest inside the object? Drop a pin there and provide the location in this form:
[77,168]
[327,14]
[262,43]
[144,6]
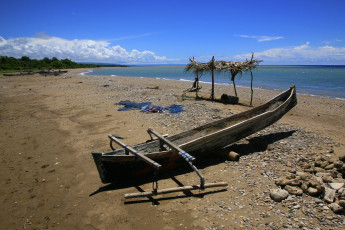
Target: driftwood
[230,156]
[227,99]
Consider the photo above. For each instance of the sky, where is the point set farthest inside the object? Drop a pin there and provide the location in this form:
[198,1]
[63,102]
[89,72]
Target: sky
[285,32]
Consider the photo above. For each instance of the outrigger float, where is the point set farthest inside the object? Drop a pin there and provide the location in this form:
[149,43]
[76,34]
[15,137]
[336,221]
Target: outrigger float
[165,153]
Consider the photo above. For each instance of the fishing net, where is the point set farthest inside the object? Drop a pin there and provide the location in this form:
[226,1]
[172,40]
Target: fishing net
[148,108]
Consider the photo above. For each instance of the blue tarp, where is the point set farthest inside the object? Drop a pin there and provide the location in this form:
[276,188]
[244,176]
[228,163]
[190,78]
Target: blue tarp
[175,108]
[146,107]
[130,105]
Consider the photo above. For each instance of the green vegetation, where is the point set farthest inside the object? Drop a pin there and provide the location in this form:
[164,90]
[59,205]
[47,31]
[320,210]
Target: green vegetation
[11,64]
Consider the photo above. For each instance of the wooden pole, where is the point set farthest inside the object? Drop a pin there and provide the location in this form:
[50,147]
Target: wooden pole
[251,87]
[212,69]
[152,163]
[197,85]
[172,190]
[234,87]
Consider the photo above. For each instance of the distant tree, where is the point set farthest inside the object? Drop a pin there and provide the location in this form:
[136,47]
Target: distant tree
[46,61]
[25,59]
[11,63]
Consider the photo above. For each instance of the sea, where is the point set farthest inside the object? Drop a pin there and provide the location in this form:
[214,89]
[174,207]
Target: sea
[318,80]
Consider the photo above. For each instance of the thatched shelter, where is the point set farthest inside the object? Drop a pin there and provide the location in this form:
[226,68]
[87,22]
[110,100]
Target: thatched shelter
[233,68]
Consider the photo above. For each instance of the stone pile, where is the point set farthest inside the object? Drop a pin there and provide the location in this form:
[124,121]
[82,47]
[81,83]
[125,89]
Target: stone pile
[322,178]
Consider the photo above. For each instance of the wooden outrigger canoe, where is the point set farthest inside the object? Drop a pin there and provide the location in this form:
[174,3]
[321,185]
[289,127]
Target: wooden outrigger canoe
[163,154]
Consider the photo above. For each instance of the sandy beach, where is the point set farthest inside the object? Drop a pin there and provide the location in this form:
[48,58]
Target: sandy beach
[50,125]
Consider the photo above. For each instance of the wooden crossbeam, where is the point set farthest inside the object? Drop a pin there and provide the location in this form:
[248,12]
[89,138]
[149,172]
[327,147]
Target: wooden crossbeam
[149,161]
[175,189]
[180,151]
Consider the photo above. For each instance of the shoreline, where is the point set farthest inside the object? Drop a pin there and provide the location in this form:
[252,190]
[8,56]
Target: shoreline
[51,124]
[206,82]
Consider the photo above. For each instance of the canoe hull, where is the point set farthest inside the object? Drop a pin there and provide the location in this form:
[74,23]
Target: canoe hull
[117,165]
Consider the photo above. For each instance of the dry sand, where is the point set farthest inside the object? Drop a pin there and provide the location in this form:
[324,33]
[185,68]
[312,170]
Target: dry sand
[49,126]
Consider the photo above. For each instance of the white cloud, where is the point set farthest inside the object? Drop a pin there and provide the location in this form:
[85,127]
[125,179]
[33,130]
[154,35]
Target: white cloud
[261,38]
[333,41]
[43,45]
[300,55]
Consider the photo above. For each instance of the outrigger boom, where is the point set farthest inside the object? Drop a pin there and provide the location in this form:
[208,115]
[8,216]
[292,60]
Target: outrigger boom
[188,158]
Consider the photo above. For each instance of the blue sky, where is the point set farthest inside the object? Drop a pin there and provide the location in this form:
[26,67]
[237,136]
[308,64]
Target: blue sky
[168,32]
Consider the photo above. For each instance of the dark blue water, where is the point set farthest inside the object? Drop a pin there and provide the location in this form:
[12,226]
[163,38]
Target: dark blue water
[321,81]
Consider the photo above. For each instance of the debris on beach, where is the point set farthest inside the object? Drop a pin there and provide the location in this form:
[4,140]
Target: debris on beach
[148,108]
[130,105]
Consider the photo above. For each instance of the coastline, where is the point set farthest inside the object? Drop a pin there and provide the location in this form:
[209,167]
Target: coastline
[51,124]
[309,80]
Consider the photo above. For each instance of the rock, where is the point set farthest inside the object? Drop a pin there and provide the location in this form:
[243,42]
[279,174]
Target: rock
[313,182]
[295,182]
[329,195]
[313,191]
[282,181]
[291,176]
[329,167]
[321,162]
[320,188]
[336,186]
[342,158]
[342,203]
[297,206]
[319,159]
[342,169]
[342,194]
[303,175]
[338,164]
[319,180]
[293,190]
[326,177]
[318,169]
[309,170]
[306,166]
[334,173]
[292,171]
[324,164]
[318,201]
[278,194]
[304,186]
[336,207]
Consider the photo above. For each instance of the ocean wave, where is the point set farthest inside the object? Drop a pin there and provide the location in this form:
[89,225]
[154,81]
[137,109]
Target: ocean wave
[181,79]
[89,71]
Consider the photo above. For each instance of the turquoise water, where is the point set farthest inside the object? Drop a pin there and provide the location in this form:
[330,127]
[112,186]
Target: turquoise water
[321,81]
